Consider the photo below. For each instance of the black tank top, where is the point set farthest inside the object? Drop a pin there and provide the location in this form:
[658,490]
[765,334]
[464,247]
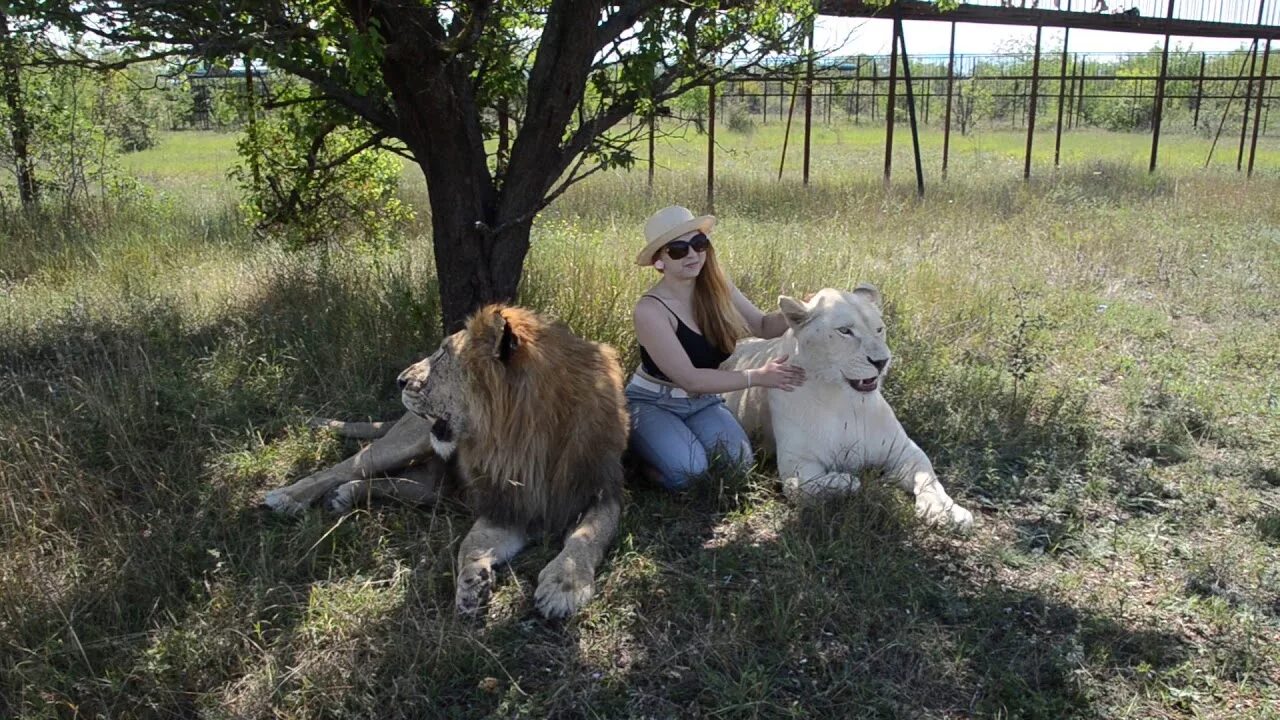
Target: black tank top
[701,352]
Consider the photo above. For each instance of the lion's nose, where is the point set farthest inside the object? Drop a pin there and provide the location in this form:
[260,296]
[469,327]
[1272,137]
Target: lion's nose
[402,382]
[878,363]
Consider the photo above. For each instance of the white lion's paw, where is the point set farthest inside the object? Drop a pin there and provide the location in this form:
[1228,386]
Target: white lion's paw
[948,513]
[281,502]
[961,519]
[343,500]
[564,586]
[474,585]
[819,488]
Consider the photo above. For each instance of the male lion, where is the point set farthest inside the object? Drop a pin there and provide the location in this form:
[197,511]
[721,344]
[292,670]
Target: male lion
[837,423]
[532,422]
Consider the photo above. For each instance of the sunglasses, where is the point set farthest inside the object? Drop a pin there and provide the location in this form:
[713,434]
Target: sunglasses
[678,249]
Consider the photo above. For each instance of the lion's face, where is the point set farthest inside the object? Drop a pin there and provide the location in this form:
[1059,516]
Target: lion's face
[841,336]
[433,388]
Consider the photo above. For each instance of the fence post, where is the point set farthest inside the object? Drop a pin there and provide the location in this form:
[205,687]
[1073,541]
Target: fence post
[711,148]
[1248,97]
[911,104]
[1195,122]
[889,108]
[652,114]
[946,123]
[1031,111]
[1257,108]
[1062,91]
[1084,62]
[808,102]
[1158,111]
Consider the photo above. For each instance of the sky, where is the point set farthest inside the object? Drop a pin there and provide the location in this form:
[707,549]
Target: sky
[871,36]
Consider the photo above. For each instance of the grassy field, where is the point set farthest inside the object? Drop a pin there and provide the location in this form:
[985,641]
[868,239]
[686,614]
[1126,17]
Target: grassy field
[1089,358]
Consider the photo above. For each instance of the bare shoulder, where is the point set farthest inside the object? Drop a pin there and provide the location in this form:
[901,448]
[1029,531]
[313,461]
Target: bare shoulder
[650,310]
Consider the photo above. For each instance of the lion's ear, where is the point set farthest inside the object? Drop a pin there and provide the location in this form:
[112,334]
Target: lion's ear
[793,311]
[507,344]
[868,292]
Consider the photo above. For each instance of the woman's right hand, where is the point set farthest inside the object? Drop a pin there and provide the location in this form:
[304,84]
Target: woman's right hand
[778,374]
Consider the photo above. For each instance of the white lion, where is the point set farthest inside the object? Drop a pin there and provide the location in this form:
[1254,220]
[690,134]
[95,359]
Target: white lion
[837,422]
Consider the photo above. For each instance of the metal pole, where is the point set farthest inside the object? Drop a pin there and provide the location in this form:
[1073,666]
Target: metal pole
[1257,108]
[1195,122]
[1158,111]
[1084,62]
[1071,95]
[786,134]
[946,123]
[1248,92]
[875,88]
[857,93]
[711,148]
[1031,112]
[1230,99]
[808,104]
[893,89]
[1248,97]
[1062,92]
[911,104]
[651,145]
[1020,102]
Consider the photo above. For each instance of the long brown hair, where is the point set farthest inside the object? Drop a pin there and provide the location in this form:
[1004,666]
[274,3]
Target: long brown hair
[722,325]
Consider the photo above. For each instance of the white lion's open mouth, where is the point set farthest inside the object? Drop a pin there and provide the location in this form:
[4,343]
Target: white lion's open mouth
[866,385]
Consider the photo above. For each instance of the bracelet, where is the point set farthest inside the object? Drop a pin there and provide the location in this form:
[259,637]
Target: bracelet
[747,375]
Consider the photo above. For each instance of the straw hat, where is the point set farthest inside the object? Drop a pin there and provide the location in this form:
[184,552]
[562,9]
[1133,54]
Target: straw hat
[668,224]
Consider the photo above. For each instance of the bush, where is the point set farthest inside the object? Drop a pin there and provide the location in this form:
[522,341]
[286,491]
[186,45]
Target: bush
[740,121]
[310,175]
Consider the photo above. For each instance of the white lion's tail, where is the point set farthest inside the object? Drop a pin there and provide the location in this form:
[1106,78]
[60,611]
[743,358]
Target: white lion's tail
[357,430]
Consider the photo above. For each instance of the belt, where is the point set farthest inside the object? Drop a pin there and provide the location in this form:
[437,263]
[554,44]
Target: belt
[653,386]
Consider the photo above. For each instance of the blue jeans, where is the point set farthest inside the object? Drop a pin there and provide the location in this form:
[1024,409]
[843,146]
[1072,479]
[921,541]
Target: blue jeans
[677,435]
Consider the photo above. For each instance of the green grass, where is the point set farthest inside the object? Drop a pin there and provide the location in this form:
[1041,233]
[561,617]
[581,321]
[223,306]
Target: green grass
[1089,359]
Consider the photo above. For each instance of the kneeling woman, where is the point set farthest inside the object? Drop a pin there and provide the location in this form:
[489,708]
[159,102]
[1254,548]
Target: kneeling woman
[687,325]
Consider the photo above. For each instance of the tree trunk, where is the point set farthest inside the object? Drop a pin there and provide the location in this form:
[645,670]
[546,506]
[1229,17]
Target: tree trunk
[20,130]
[474,266]
[480,234]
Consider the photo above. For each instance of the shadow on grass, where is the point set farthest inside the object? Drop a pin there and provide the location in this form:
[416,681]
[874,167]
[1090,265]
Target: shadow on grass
[724,602]
[134,584]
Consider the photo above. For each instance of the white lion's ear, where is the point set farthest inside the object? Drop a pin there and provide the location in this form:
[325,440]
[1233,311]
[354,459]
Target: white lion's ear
[868,292]
[795,313]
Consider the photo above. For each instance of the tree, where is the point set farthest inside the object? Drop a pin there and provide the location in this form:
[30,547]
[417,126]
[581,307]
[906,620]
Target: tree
[11,52]
[444,78]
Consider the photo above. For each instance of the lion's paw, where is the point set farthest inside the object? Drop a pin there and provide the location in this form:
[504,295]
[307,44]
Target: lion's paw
[949,513]
[821,487]
[564,586]
[281,502]
[961,519]
[343,500]
[474,585]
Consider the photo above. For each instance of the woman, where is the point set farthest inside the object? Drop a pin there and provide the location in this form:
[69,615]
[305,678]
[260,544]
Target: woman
[687,325]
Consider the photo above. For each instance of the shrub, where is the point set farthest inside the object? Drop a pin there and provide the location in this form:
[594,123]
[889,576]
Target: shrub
[311,175]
